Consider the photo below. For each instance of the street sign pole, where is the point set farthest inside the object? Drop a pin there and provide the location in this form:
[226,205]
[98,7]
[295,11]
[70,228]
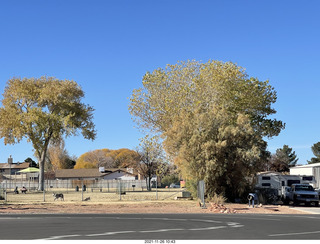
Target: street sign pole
[10,161]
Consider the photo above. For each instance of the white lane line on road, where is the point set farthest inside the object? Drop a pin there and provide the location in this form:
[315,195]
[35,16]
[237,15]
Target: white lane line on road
[156,231]
[228,224]
[59,237]
[178,219]
[234,225]
[163,230]
[206,220]
[111,233]
[9,218]
[209,228]
[295,234]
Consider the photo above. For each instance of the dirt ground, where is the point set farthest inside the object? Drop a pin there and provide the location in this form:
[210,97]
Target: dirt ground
[178,206]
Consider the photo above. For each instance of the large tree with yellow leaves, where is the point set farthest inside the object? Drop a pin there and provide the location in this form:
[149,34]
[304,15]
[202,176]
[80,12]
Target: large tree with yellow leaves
[124,158]
[43,110]
[212,117]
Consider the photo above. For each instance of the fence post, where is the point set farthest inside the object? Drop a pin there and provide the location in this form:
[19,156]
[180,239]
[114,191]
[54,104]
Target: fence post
[119,184]
[81,189]
[157,188]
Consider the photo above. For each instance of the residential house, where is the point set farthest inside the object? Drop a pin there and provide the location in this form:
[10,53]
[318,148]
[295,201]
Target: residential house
[13,169]
[118,174]
[96,174]
[102,178]
[78,174]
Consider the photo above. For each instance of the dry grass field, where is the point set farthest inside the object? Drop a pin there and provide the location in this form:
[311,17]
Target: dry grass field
[163,201]
[94,196]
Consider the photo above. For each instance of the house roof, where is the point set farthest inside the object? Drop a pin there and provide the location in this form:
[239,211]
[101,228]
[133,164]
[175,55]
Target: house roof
[107,172]
[125,170]
[78,173]
[111,170]
[15,166]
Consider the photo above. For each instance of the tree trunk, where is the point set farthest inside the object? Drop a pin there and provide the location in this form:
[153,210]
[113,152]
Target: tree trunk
[149,183]
[41,164]
[41,174]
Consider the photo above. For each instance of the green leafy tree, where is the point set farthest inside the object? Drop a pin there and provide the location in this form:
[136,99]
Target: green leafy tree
[43,110]
[165,169]
[31,162]
[316,152]
[282,160]
[170,179]
[212,117]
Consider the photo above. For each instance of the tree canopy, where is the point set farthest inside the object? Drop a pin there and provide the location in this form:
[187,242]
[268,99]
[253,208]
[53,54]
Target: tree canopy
[212,117]
[151,157]
[187,86]
[31,162]
[107,158]
[58,157]
[207,147]
[43,110]
[316,152]
[283,159]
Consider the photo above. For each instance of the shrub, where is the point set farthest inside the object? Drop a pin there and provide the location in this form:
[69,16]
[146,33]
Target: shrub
[218,199]
[169,179]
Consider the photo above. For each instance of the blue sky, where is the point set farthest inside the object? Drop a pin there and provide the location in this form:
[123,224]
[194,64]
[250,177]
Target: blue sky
[107,47]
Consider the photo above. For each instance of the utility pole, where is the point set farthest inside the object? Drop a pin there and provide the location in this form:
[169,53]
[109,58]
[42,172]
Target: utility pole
[10,161]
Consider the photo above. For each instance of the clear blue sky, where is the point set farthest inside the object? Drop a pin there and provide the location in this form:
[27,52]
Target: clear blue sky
[107,46]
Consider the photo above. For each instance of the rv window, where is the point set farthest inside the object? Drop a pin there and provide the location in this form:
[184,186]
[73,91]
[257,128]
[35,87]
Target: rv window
[304,188]
[266,184]
[310,178]
[266,178]
[290,182]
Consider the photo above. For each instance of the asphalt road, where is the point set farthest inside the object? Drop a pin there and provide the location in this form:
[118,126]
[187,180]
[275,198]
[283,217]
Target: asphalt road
[159,227]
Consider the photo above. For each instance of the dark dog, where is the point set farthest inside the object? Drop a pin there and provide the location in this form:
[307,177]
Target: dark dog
[58,195]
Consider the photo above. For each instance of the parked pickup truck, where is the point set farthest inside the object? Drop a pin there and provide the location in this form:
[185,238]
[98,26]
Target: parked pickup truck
[301,193]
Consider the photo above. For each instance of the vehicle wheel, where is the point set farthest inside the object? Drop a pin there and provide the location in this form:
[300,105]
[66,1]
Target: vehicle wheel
[286,201]
[316,204]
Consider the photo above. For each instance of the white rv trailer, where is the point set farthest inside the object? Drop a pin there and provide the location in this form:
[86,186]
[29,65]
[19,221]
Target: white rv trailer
[271,185]
[308,169]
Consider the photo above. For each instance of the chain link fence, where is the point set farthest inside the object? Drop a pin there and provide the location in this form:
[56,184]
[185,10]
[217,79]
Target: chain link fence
[85,190]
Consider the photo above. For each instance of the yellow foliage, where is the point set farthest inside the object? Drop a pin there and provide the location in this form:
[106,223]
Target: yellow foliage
[107,158]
